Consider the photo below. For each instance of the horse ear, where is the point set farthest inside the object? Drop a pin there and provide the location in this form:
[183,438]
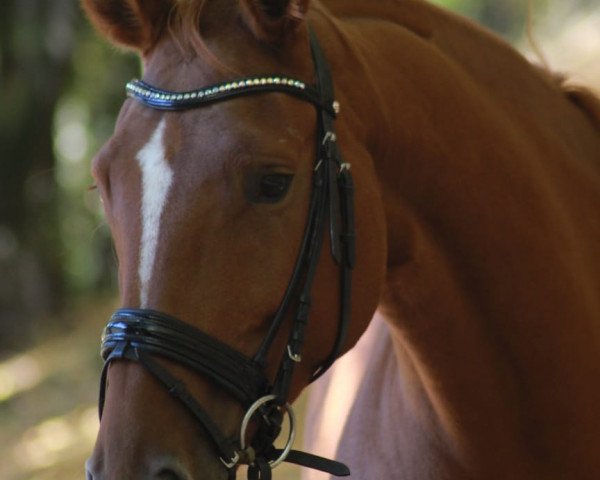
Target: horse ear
[134,24]
[272,20]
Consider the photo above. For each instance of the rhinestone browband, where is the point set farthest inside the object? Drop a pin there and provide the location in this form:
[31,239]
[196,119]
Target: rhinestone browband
[168,100]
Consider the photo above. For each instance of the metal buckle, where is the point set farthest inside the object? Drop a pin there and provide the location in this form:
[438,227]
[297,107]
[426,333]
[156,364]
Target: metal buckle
[329,137]
[291,436]
[232,463]
[296,357]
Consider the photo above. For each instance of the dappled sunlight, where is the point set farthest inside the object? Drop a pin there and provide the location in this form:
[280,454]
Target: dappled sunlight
[48,394]
[335,394]
[19,374]
[48,410]
[55,440]
[72,143]
[572,45]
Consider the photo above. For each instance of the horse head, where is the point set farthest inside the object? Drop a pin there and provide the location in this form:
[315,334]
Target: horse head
[217,229]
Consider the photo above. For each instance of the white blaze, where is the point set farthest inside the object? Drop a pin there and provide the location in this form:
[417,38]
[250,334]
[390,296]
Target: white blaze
[157,177]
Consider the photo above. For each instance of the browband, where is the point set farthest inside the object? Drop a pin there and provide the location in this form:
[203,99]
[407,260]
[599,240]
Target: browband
[167,100]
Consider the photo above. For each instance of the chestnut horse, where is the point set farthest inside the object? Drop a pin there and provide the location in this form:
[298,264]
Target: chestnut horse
[477,200]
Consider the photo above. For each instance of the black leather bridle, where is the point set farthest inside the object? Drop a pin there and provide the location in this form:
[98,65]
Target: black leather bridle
[141,335]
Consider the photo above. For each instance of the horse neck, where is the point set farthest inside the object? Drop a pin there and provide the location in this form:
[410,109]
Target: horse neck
[490,291]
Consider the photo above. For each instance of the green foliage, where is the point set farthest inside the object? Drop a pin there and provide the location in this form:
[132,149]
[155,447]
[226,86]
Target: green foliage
[466,7]
[83,121]
[506,18]
[60,90]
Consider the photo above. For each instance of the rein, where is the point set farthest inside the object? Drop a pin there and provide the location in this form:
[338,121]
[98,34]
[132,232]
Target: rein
[140,335]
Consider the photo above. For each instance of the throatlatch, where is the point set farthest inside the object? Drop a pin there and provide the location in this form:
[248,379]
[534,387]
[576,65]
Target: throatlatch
[141,335]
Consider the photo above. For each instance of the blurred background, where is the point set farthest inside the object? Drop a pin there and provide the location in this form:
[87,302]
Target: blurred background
[60,91]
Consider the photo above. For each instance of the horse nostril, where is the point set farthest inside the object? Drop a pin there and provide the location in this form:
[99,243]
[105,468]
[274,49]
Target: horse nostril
[168,474]
[170,471]
[89,469]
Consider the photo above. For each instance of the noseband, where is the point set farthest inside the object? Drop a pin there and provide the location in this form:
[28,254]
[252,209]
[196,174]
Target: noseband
[141,335]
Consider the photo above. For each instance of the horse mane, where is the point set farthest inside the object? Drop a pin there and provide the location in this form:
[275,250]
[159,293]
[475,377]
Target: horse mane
[582,96]
[268,24]
[584,99]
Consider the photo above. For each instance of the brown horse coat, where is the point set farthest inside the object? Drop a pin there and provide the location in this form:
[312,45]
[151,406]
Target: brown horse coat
[489,366]
[478,193]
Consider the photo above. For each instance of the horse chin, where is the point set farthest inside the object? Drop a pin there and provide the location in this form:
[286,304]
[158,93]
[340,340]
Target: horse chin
[160,467]
[145,435]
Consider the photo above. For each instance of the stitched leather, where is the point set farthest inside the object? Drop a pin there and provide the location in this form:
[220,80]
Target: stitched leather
[160,334]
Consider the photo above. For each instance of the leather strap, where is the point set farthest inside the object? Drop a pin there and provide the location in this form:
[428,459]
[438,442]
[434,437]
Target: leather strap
[348,238]
[259,470]
[226,447]
[160,99]
[163,335]
[315,462]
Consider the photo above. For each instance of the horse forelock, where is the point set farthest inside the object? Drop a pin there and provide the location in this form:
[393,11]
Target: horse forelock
[183,26]
[188,20]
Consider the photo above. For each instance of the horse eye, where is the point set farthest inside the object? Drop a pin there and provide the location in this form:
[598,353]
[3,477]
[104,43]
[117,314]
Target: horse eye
[273,187]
